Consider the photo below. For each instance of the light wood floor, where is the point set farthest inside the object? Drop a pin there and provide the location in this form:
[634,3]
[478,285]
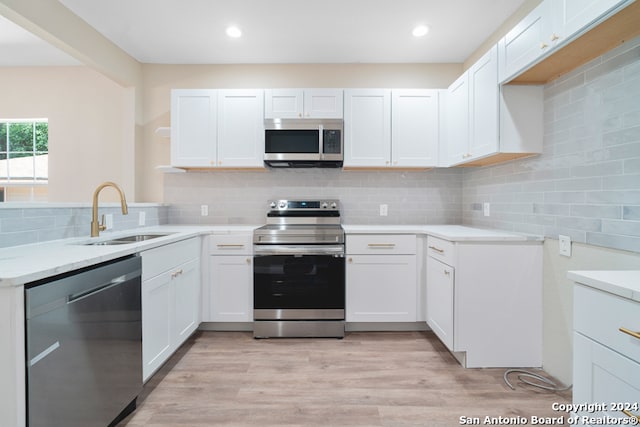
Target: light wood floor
[366,379]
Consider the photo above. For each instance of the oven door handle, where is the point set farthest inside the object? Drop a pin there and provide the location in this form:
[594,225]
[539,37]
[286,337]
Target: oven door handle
[266,250]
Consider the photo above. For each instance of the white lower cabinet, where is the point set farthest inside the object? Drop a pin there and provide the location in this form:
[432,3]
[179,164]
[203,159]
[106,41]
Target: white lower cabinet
[230,286]
[606,353]
[381,278]
[170,300]
[440,300]
[601,375]
[484,301]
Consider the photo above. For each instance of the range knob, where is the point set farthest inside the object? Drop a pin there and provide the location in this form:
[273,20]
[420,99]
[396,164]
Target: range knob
[324,205]
[282,204]
[273,205]
[334,205]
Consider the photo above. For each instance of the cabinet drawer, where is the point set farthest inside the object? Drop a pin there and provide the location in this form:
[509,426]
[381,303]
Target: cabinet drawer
[600,315]
[602,375]
[442,250]
[158,260]
[382,244]
[231,244]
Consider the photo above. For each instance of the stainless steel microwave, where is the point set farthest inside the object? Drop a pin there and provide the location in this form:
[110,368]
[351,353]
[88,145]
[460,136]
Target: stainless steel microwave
[303,143]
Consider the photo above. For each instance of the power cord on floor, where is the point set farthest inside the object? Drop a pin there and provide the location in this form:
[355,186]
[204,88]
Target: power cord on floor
[525,376]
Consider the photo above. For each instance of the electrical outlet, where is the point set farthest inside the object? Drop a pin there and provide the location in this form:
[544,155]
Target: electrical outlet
[204,210]
[565,245]
[486,208]
[384,210]
[142,218]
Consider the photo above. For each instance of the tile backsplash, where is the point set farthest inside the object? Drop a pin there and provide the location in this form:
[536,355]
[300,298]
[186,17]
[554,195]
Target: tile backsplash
[22,224]
[237,197]
[586,184]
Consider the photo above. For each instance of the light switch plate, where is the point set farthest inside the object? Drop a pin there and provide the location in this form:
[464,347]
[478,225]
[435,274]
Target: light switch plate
[142,218]
[204,210]
[384,210]
[486,208]
[565,245]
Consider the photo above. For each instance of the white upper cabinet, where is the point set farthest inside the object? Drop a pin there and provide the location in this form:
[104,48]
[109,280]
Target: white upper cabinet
[391,128]
[472,116]
[571,16]
[240,128]
[487,123]
[303,103]
[367,128]
[217,128]
[415,128]
[526,42]
[456,143]
[553,24]
[193,127]
[483,97]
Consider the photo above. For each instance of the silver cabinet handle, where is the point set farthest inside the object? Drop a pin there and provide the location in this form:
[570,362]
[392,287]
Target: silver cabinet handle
[230,246]
[381,245]
[437,249]
[176,273]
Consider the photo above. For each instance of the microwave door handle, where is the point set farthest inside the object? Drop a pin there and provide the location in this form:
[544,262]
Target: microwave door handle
[321,140]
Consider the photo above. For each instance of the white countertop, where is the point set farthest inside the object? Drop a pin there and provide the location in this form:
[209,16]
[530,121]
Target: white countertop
[454,233]
[28,263]
[624,283]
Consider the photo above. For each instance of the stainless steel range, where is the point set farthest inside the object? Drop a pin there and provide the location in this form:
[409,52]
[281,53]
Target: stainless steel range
[299,271]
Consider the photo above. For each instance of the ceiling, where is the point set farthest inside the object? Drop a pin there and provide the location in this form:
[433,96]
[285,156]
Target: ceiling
[276,31]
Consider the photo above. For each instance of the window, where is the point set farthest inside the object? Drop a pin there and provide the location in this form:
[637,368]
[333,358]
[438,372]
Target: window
[24,159]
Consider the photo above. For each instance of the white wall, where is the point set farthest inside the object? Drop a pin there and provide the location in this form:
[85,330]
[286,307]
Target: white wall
[86,125]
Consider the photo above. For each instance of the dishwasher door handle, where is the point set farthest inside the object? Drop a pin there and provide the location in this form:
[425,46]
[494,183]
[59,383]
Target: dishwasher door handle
[44,353]
[85,294]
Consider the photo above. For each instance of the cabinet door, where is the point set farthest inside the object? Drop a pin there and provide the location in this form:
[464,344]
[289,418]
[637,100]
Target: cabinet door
[157,311]
[601,375]
[323,103]
[240,128]
[457,120]
[484,96]
[414,141]
[231,288]
[381,288]
[186,282]
[367,128]
[193,127]
[571,16]
[440,291]
[283,103]
[526,42]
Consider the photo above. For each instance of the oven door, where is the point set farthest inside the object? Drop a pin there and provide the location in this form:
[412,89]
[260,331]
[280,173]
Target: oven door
[299,282]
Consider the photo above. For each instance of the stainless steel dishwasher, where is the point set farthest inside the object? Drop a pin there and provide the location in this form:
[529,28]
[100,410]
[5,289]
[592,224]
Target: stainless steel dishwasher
[84,345]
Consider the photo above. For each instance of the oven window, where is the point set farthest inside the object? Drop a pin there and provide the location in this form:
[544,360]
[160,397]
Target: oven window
[298,282]
[292,141]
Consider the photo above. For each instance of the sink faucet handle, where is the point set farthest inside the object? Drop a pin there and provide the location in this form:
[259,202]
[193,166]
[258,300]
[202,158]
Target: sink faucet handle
[103,225]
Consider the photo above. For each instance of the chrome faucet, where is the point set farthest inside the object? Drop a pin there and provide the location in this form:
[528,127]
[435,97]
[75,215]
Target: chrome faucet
[96,227]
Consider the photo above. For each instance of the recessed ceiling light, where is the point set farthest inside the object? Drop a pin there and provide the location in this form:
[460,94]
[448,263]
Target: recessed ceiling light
[420,31]
[234,32]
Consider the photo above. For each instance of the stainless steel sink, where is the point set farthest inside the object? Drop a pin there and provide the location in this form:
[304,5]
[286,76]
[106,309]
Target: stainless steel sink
[134,238]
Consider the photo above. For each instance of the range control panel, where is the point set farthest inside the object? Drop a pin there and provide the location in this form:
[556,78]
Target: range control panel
[304,205]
